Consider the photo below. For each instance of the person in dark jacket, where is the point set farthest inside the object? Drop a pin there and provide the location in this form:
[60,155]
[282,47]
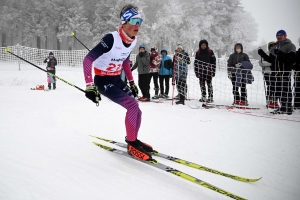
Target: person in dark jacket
[165,72]
[182,60]
[51,63]
[143,66]
[297,81]
[270,83]
[154,63]
[205,70]
[282,58]
[233,65]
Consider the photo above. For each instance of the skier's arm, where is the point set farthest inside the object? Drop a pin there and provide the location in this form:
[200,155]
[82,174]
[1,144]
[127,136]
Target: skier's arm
[104,46]
[127,70]
[135,64]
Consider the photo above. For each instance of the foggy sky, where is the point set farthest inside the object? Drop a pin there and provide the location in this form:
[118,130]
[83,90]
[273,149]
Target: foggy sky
[273,15]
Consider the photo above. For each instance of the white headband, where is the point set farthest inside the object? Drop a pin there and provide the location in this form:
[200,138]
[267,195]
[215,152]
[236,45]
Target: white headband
[131,13]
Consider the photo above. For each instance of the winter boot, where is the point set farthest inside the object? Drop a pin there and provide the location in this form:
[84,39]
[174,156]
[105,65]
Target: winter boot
[203,99]
[49,86]
[243,103]
[209,100]
[161,96]
[134,149]
[145,146]
[155,97]
[54,86]
[145,99]
[179,102]
[156,91]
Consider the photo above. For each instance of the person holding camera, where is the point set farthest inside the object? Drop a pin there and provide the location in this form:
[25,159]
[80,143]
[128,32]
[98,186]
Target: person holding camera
[51,63]
[282,57]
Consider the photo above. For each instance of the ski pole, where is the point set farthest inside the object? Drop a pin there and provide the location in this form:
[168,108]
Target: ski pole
[8,51]
[73,34]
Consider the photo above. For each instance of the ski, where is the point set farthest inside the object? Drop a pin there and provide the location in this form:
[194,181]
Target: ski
[204,106]
[158,165]
[232,107]
[186,163]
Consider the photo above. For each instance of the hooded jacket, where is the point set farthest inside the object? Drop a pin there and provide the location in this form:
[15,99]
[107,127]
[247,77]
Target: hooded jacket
[142,63]
[284,60]
[236,58]
[51,64]
[166,65]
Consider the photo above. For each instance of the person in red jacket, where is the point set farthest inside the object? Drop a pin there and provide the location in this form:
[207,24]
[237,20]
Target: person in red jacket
[154,63]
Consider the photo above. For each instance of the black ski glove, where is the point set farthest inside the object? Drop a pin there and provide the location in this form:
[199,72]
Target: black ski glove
[133,88]
[92,93]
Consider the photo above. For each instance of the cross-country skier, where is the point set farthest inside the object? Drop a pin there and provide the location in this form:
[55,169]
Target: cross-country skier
[108,58]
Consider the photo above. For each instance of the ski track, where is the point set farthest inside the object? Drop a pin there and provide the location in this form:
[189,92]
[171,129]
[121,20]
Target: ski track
[46,151]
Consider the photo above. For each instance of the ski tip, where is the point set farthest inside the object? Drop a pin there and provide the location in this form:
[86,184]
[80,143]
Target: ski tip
[72,34]
[7,49]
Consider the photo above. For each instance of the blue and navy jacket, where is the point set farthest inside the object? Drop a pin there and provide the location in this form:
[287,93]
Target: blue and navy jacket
[166,65]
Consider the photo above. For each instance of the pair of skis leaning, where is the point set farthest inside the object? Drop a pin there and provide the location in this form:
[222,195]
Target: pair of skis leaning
[166,168]
[228,107]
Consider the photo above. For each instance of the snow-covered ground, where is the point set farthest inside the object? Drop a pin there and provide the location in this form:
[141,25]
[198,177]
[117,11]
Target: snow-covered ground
[46,151]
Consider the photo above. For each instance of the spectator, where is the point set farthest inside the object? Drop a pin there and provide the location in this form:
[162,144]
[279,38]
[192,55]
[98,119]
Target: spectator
[182,60]
[154,63]
[282,58]
[51,63]
[143,65]
[173,78]
[165,72]
[297,81]
[270,84]
[205,70]
[239,78]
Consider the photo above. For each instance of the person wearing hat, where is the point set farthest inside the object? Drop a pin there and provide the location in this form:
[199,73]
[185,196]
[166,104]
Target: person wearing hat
[270,84]
[282,58]
[181,62]
[107,59]
[238,79]
[165,72]
[154,63]
[51,63]
[205,70]
[142,63]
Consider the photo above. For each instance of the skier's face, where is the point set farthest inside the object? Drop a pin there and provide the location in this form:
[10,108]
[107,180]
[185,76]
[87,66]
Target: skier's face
[131,30]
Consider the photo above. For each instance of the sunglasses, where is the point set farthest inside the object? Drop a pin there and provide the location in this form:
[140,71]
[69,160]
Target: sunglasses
[134,21]
[279,35]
